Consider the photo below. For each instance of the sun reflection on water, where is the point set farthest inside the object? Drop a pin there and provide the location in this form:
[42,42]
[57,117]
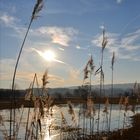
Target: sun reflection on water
[47,137]
[51,123]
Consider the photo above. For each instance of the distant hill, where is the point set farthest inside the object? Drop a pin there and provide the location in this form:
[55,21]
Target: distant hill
[119,89]
[123,86]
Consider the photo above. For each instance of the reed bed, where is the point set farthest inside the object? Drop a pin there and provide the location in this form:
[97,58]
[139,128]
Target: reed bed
[84,124]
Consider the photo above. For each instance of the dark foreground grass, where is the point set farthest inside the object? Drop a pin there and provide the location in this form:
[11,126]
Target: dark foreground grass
[132,133]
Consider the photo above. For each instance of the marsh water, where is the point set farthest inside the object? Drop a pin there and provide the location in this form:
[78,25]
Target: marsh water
[51,124]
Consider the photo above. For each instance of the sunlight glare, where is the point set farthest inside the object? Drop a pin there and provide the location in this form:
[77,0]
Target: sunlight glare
[47,137]
[49,55]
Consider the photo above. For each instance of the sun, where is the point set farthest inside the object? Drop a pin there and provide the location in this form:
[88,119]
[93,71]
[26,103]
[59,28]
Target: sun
[49,55]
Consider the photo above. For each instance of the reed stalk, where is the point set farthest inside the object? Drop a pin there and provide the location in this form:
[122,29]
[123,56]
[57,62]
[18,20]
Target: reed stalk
[100,70]
[13,104]
[88,71]
[120,107]
[17,129]
[38,6]
[28,115]
[112,68]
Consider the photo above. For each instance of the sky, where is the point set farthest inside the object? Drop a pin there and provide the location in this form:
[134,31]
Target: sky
[72,30]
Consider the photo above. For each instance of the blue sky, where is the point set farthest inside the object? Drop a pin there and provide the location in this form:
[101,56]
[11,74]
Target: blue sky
[72,29]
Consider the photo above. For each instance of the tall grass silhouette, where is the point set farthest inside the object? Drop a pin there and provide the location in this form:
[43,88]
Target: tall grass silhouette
[100,71]
[37,8]
[112,68]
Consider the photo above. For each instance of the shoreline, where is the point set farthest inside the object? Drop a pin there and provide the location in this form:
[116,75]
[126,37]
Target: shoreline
[6,103]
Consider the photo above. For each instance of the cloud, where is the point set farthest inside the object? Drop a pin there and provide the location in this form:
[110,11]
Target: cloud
[59,35]
[7,19]
[82,48]
[78,47]
[125,47]
[11,22]
[61,49]
[112,39]
[131,40]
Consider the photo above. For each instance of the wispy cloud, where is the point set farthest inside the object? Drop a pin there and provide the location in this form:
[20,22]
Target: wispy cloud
[78,47]
[7,19]
[59,35]
[131,40]
[125,47]
[27,70]
[25,73]
[62,36]
[61,49]
[12,22]
[82,48]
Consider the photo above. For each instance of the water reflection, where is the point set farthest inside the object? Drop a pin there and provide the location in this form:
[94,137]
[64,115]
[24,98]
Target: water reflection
[53,129]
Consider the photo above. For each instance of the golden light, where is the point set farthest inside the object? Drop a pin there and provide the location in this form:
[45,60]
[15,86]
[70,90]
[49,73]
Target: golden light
[49,55]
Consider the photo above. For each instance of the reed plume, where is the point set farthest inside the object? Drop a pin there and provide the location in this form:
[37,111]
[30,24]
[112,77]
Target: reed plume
[45,79]
[37,8]
[89,68]
[106,105]
[86,71]
[90,107]
[104,41]
[126,103]
[113,60]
